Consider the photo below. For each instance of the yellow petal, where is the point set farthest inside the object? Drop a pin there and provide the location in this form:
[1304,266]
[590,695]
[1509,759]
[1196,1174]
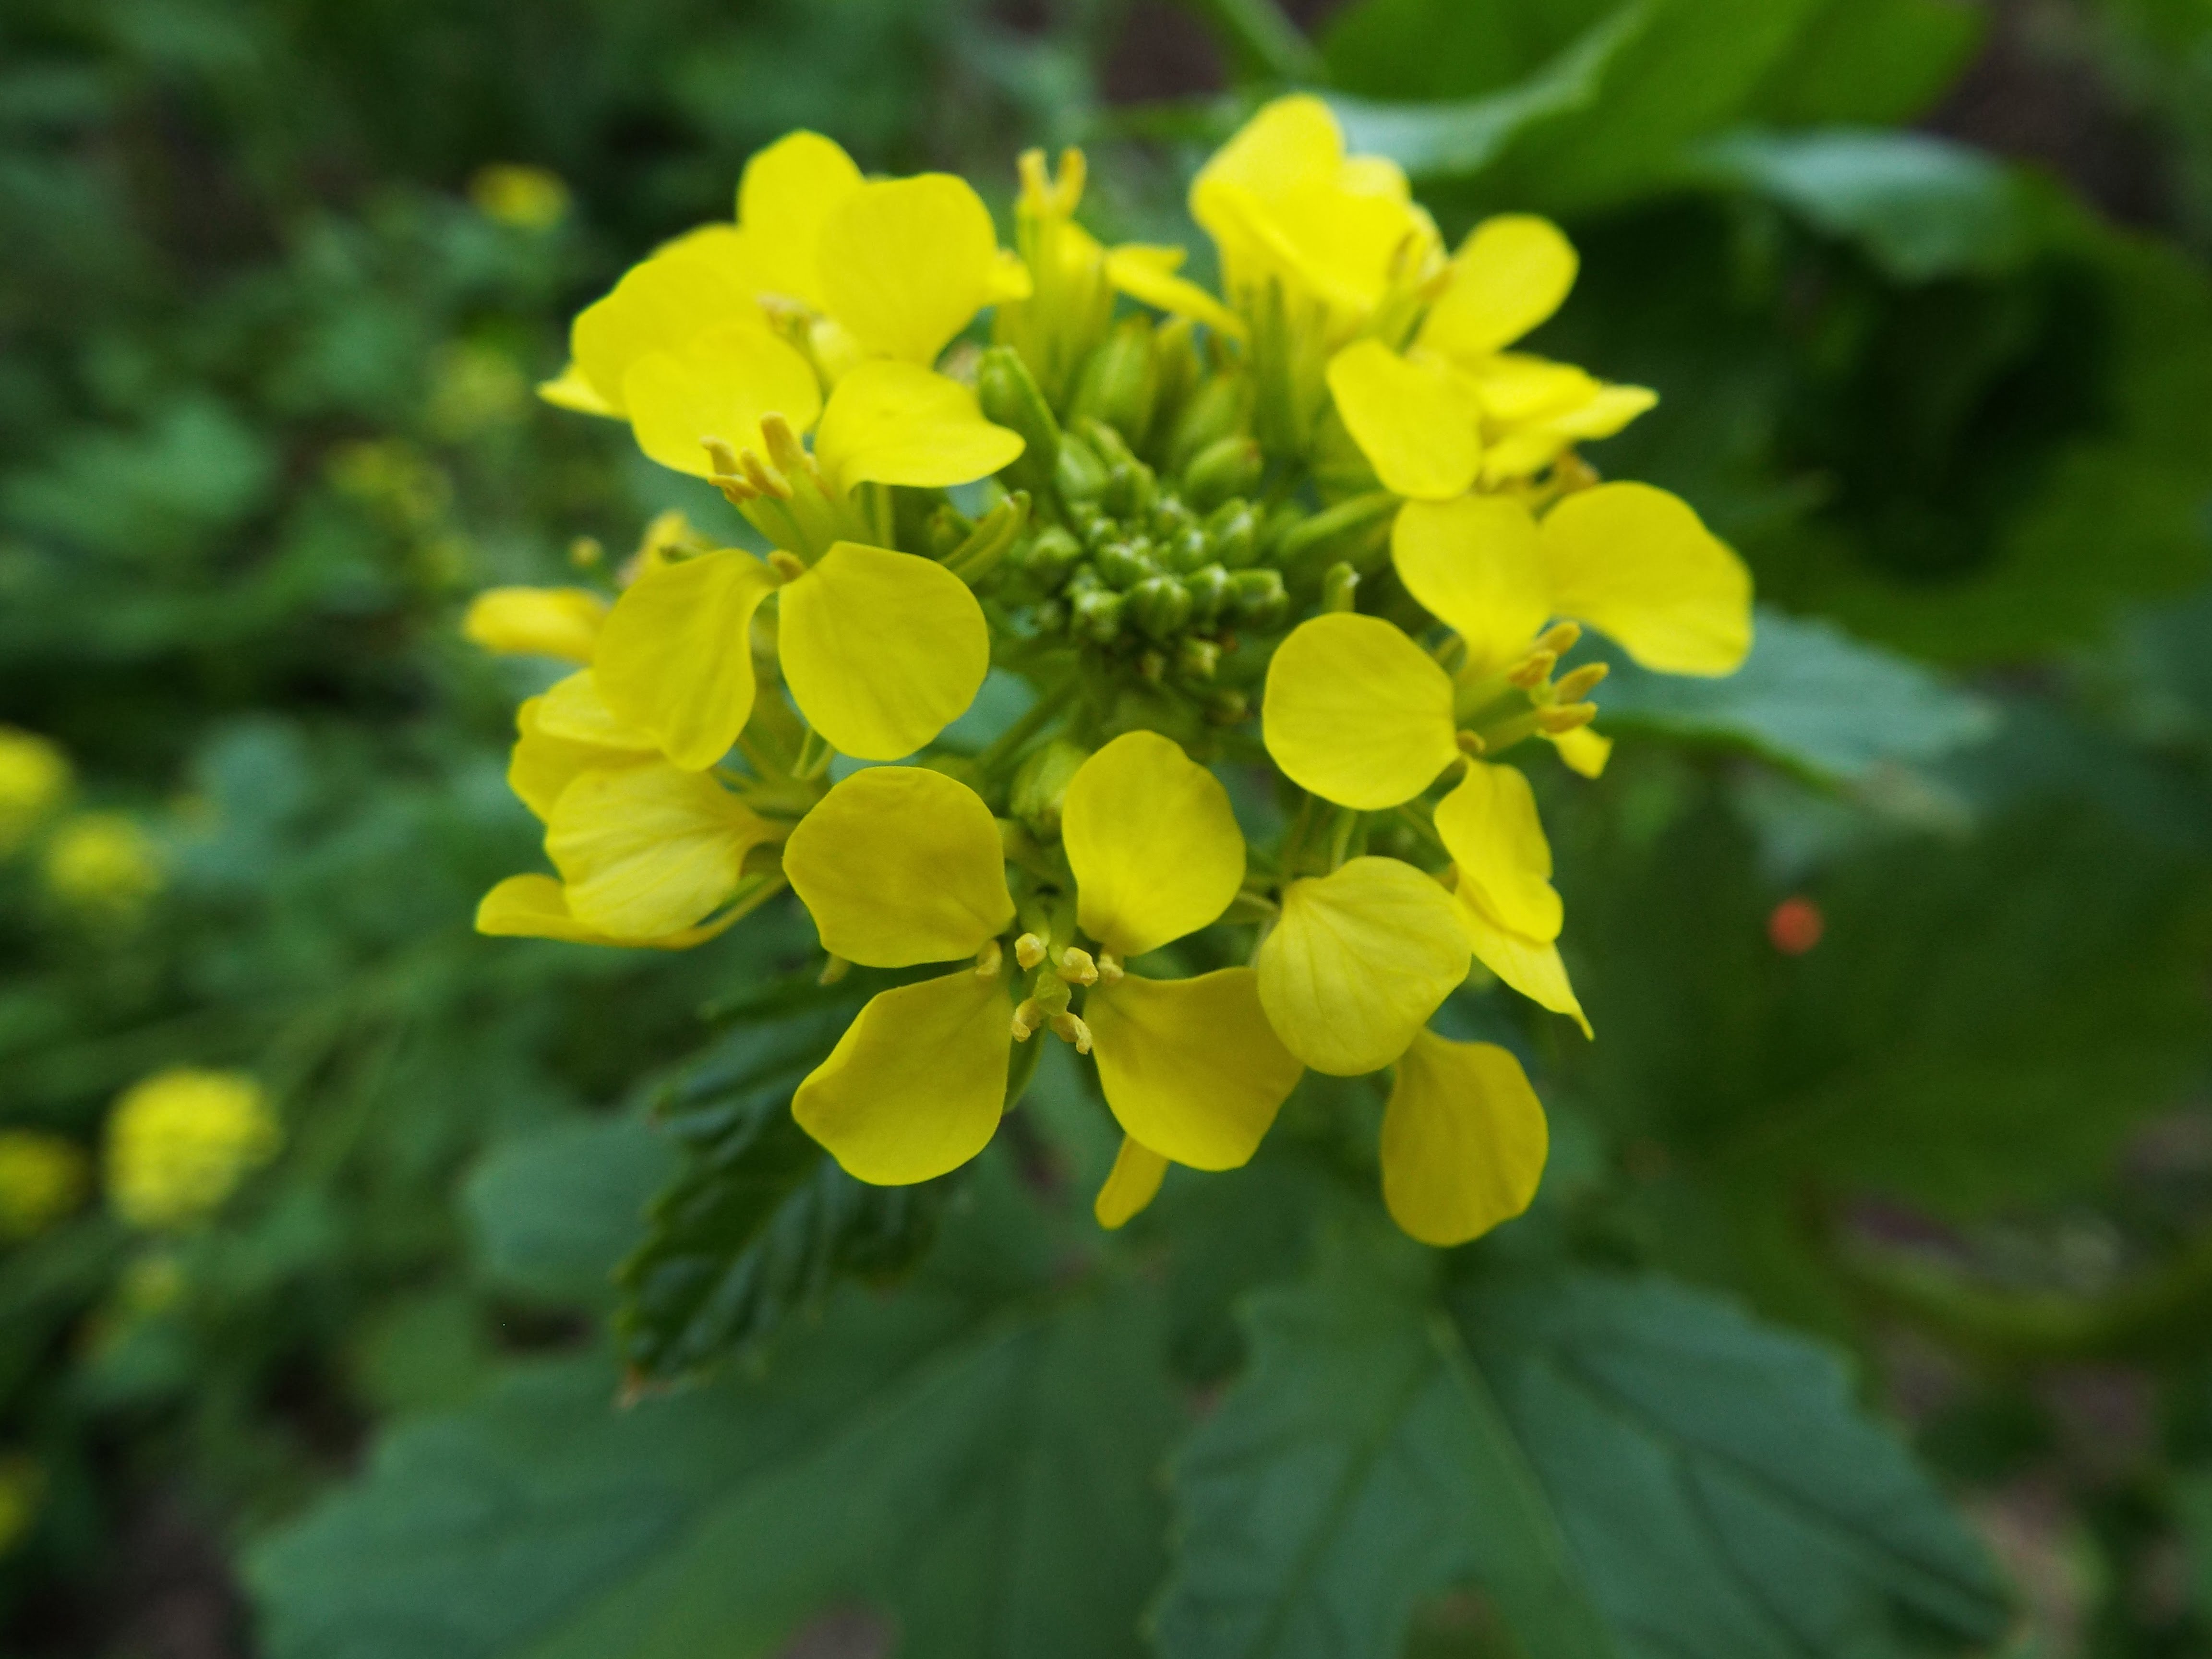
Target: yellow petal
[1010,278]
[648,849]
[916,1086]
[545,761]
[1637,563]
[717,384]
[573,389]
[576,709]
[906,262]
[1415,423]
[1155,847]
[1515,389]
[660,305]
[1287,140]
[1464,1140]
[1489,824]
[676,656]
[1509,274]
[882,650]
[1477,565]
[1134,1183]
[1191,1068]
[899,865]
[543,622]
[1358,713]
[895,423]
[1583,750]
[788,193]
[1356,965]
[1532,967]
[535,907]
[1148,274]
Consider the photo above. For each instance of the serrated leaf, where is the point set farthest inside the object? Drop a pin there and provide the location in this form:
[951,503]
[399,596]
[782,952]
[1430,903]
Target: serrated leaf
[1721,1492]
[1809,697]
[555,1211]
[760,1222]
[1921,206]
[976,1464]
[1358,1468]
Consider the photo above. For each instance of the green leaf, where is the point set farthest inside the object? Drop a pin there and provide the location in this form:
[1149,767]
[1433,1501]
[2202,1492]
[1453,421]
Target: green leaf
[760,1222]
[1721,1493]
[553,1211]
[976,1461]
[1920,206]
[1466,135]
[1809,697]
[1359,1468]
[1876,63]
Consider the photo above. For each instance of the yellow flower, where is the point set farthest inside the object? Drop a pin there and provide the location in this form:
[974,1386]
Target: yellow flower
[524,197]
[540,622]
[1291,214]
[1361,715]
[34,775]
[1464,1140]
[42,1180]
[901,867]
[102,862]
[1454,409]
[179,1143]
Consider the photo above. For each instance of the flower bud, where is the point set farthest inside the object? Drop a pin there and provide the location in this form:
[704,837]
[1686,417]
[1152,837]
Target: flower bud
[1174,349]
[1124,564]
[1226,706]
[1122,381]
[1188,551]
[1227,467]
[1048,557]
[1130,489]
[1259,601]
[1097,615]
[1171,516]
[1234,529]
[1040,787]
[1160,605]
[1220,408]
[1210,590]
[1010,398]
[1079,474]
[1196,658]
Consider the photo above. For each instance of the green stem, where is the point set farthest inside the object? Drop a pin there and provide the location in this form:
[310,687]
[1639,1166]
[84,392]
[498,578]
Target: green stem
[1265,44]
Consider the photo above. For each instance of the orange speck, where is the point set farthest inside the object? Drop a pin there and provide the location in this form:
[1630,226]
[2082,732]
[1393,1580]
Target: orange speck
[1796,925]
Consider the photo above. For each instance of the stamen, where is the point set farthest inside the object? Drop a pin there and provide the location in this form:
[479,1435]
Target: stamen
[1566,718]
[789,567]
[1559,638]
[1077,967]
[1470,743]
[764,478]
[989,960]
[1580,683]
[784,447]
[1533,669]
[1029,950]
[1109,967]
[1070,1028]
[1027,1017]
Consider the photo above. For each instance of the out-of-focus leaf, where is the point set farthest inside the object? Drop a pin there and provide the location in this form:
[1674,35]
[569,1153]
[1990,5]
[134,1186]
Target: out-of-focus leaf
[1719,1490]
[1808,697]
[1360,1468]
[1921,206]
[1466,135]
[1880,63]
[759,1222]
[974,1460]
[557,1210]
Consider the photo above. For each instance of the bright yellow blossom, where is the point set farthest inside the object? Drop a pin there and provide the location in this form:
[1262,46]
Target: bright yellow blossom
[42,1180]
[35,776]
[1464,1140]
[179,1143]
[103,863]
[539,621]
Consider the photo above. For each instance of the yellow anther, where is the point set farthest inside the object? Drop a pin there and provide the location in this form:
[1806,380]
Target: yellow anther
[1470,742]
[1077,967]
[1559,638]
[764,478]
[1566,717]
[728,475]
[1580,683]
[989,960]
[1029,950]
[833,970]
[1109,967]
[1533,669]
[1027,1017]
[789,567]
[1070,1028]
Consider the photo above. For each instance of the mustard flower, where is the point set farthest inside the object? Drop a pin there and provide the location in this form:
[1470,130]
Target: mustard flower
[35,776]
[179,1143]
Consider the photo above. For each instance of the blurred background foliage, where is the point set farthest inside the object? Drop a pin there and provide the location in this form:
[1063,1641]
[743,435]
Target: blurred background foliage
[1897,944]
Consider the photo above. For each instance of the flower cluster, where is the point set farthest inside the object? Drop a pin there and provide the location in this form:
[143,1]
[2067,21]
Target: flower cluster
[179,1142]
[1325,527]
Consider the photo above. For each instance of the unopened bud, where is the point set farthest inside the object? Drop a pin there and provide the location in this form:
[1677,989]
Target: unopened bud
[1219,408]
[1096,615]
[1224,468]
[1340,587]
[1197,658]
[1189,549]
[1259,599]
[1047,557]
[1070,1028]
[1124,564]
[1122,381]
[1079,474]
[1175,350]
[1574,687]
[1210,592]
[1234,529]
[1029,950]
[1160,605]
[1010,398]
[1565,718]
[1130,489]
[1226,706]
[1077,967]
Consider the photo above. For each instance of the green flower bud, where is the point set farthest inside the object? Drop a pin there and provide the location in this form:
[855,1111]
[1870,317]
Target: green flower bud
[1041,785]
[1160,605]
[1051,617]
[1227,467]
[1049,557]
[1226,706]
[1122,381]
[1174,349]
[1220,408]
[1171,515]
[1097,615]
[1259,600]
[1010,396]
[1234,529]
[1210,592]
[1130,489]
[1079,475]
[1084,579]
[1124,564]
[1189,550]
[1339,587]
[1196,658]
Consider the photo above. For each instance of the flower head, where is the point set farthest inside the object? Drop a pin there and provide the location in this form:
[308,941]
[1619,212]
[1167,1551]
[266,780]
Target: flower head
[179,1143]
[35,776]
[102,863]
